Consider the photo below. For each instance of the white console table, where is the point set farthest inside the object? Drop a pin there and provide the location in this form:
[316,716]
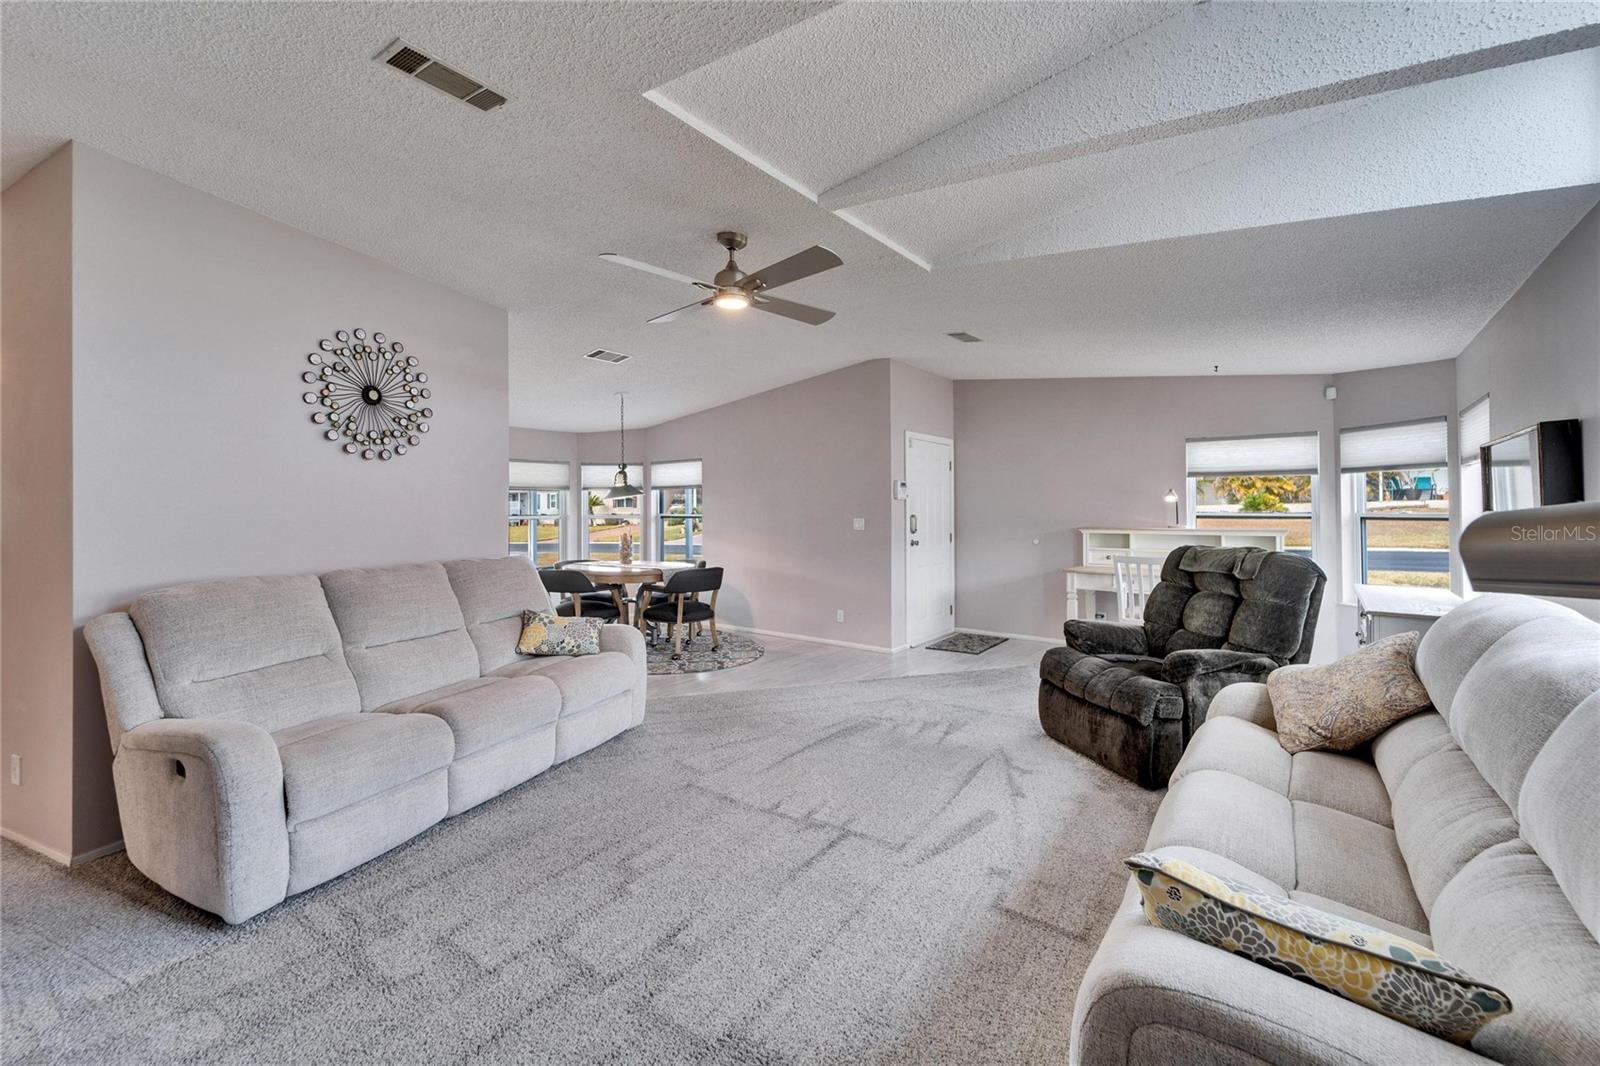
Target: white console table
[1100,544]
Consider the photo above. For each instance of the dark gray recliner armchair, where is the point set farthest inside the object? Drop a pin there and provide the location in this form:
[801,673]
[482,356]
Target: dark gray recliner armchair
[1130,696]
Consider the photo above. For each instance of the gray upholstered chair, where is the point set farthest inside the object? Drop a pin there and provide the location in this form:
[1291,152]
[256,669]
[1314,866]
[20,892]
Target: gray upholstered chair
[1130,696]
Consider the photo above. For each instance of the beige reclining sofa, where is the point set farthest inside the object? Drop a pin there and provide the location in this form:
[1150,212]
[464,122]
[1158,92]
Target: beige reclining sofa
[271,733]
[1473,827]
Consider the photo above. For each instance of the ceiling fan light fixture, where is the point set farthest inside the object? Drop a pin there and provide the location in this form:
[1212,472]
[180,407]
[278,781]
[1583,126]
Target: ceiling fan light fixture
[731,300]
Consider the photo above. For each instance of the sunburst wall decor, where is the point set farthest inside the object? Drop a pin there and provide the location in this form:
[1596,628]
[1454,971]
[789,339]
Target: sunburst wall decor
[372,395]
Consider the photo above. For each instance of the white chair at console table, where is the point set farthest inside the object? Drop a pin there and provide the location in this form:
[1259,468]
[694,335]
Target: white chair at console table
[1098,544]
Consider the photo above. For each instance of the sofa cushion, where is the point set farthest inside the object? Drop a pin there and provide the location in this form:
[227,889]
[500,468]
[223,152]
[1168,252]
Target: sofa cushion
[332,763]
[584,681]
[1130,687]
[1225,814]
[1504,918]
[1347,858]
[1236,746]
[402,630]
[1559,810]
[1349,701]
[484,711]
[1241,599]
[493,593]
[263,650]
[1341,782]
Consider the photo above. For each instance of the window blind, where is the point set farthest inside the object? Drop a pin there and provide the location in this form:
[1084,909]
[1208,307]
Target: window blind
[1285,453]
[1473,429]
[545,477]
[600,475]
[675,475]
[1397,446]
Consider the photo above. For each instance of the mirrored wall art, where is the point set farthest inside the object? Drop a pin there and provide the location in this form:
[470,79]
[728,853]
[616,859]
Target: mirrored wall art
[369,395]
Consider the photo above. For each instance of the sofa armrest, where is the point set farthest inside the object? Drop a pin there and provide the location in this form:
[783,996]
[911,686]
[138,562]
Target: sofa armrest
[126,687]
[1181,666]
[1247,700]
[629,641]
[1106,638]
[1153,997]
[203,814]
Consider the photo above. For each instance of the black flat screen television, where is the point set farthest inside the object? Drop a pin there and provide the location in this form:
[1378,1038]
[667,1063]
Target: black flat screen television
[1533,467]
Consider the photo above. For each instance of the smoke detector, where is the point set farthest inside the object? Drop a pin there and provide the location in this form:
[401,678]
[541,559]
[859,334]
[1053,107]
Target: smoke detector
[415,63]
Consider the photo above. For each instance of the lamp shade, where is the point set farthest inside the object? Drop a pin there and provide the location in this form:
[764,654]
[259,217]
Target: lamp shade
[620,489]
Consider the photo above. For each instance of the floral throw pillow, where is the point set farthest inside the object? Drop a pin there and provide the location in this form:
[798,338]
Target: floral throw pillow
[1348,701]
[1366,965]
[547,634]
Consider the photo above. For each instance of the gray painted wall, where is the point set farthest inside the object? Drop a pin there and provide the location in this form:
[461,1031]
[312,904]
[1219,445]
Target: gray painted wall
[1538,358]
[193,455]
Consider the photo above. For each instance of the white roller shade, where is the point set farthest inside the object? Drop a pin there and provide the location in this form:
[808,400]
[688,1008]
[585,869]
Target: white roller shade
[1473,429]
[1398,446]
[600,475]
[1293,453]
[546,477]
[675,475]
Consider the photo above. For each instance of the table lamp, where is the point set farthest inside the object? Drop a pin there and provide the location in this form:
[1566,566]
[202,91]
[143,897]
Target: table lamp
[1172,498]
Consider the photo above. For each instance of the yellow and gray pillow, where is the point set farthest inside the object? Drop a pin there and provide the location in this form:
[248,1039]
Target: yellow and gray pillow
[1366,965]
[547,634]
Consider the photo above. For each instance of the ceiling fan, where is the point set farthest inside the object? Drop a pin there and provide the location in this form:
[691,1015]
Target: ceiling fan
[734,290]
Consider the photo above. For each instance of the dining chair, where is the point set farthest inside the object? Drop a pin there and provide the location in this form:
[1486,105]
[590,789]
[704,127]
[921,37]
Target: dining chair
[1136,575]
[599,595]
[681,605]
[581,595]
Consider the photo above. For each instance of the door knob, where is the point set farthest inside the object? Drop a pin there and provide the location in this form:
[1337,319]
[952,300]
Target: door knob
[915,543]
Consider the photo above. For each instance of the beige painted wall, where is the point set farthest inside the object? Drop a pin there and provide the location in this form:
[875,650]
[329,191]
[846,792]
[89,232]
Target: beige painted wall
[36,504]
[193,455]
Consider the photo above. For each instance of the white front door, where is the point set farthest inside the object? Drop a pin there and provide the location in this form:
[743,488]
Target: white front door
[930,538]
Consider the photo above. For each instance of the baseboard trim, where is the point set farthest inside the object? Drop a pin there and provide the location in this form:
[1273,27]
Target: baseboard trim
[60,857]
[31,844]
[882,649]
[98,853]
[1008,636]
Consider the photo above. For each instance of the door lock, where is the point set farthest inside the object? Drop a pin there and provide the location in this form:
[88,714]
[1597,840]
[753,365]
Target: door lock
[915,543]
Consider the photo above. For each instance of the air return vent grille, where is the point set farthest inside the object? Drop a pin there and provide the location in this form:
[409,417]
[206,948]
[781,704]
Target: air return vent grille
[605,356]
[418,64]
[965,338]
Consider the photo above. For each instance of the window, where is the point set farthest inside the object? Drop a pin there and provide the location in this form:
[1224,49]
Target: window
[676,502]
[1397,487]
[605,521]
[1252,483]
[1473,431]
[536,505]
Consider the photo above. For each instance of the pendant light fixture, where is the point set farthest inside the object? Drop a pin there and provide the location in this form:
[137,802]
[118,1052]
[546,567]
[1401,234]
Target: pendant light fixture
[620,489]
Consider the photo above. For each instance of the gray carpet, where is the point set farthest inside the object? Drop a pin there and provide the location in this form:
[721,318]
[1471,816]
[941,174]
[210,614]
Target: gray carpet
[883,871]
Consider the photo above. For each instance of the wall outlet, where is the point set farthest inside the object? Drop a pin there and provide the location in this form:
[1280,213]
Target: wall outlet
[16,769]
[838,616]
[859,524]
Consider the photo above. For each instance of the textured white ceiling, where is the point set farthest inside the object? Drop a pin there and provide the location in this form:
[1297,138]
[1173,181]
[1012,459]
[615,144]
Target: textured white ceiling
[280,108]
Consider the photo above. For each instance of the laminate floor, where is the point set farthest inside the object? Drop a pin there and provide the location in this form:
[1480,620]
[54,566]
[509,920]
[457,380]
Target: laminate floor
[799,662]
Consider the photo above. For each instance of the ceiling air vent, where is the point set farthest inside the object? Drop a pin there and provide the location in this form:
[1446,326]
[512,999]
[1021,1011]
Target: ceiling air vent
[608,357]
[418,64]
[965,338]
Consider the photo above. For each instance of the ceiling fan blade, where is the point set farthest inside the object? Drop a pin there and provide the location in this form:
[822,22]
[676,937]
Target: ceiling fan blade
[813,260]
[811,316]
[622,260]
[670,315]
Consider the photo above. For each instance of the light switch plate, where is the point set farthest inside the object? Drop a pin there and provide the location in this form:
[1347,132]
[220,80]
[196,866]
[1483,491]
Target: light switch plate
[859,524]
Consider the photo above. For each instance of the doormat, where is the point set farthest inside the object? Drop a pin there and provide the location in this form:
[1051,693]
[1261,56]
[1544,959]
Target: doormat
[966,643]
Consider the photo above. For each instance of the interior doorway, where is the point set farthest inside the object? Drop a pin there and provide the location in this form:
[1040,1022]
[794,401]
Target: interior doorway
[930,538]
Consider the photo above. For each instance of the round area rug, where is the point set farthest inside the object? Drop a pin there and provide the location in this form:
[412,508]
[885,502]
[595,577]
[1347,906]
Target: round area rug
[736,650]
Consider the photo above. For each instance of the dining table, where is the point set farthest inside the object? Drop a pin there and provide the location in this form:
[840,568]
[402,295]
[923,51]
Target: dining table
[617,576]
